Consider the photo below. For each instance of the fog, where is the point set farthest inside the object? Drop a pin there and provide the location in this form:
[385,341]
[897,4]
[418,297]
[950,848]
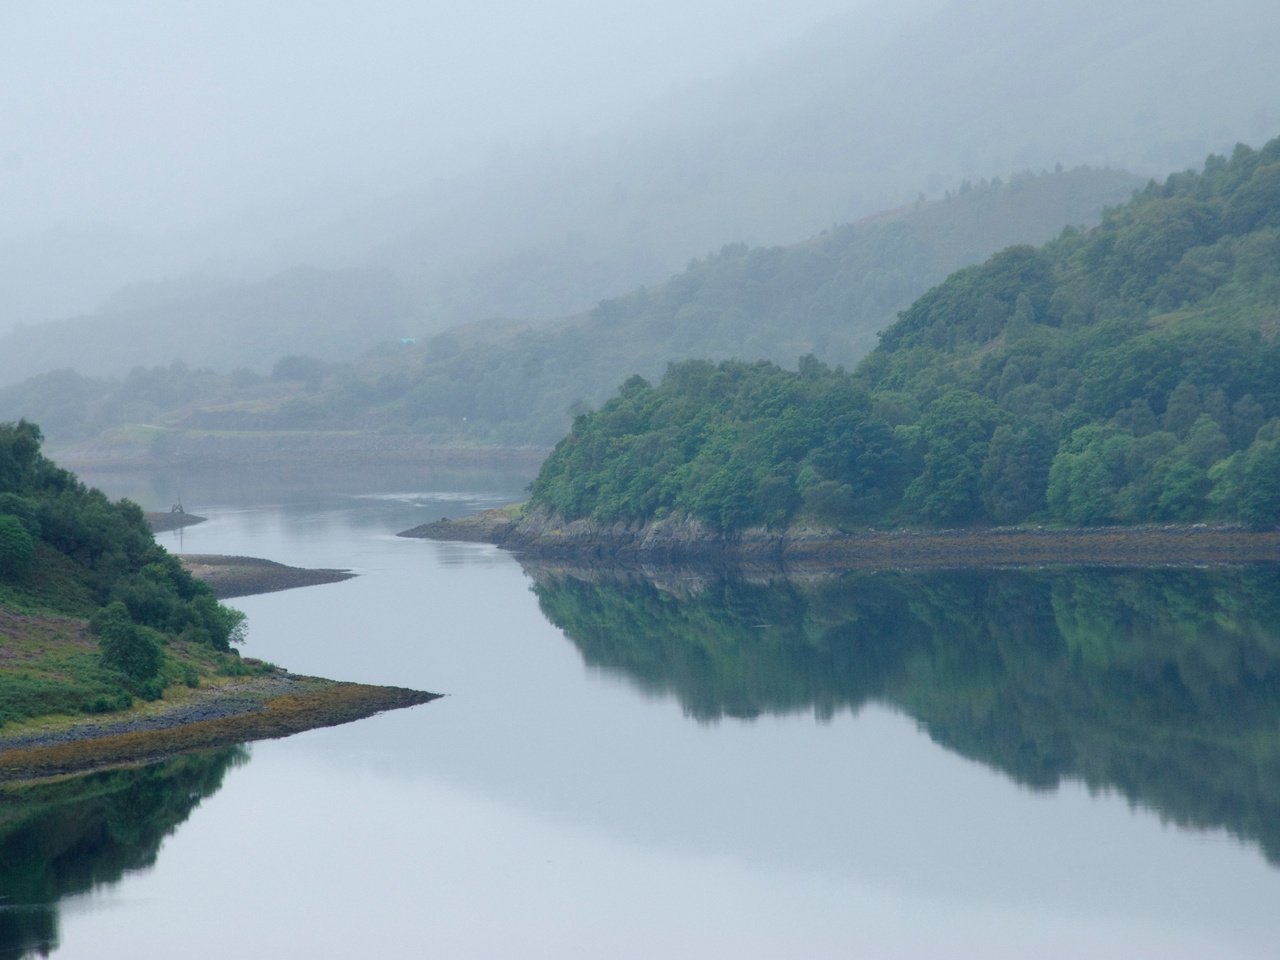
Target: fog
[496,160]
[154,116]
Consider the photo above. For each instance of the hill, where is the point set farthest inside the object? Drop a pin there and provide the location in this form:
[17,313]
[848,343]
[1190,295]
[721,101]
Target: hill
[516,383]
[1126,374]
[218,324]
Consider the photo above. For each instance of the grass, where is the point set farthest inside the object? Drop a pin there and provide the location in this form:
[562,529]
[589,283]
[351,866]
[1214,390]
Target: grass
[50,668]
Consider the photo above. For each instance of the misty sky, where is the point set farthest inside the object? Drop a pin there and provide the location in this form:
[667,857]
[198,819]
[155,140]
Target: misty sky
[153,114]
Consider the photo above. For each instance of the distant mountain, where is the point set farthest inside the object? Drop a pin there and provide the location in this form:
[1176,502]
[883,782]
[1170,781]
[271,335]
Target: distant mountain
[223,325]
[863,115]
[519,382]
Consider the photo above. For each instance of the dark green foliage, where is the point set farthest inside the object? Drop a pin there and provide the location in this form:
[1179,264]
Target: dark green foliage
[125,645]
[1125,375]
[16,547]
[732,444]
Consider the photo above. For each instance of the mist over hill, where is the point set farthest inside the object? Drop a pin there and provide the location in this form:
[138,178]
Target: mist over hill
[331,314]
[515,383]
[879,105]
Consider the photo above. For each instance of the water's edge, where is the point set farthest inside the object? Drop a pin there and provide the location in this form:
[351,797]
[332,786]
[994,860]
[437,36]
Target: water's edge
[538,534]
[258,708]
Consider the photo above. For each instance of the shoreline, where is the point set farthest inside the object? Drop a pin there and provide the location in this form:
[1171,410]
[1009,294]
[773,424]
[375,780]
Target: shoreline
[236,711]
[539,536]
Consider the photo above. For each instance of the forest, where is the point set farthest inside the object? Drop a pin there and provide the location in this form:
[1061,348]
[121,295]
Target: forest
[1125,374]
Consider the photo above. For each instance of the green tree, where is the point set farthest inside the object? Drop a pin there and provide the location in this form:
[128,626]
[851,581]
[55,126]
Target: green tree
[124,645]
[1259,504]
[16,547]
[956,431]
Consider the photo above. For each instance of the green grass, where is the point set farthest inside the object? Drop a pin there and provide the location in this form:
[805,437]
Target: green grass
[50,666]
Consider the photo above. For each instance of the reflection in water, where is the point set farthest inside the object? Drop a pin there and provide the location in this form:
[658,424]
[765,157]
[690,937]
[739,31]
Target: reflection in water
[71,836]
[1161,685]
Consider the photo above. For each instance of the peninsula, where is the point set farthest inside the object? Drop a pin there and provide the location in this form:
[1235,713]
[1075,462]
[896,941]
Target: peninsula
[114,651]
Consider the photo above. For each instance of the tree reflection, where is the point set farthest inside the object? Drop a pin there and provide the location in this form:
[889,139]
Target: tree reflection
[72,836]
[1161,685]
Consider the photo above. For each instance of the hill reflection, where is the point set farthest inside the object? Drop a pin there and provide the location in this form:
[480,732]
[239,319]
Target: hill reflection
[1161,685]
[71,836]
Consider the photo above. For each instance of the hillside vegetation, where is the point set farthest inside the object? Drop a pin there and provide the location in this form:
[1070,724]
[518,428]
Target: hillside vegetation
[1126,374]
[517,383]
[93,612]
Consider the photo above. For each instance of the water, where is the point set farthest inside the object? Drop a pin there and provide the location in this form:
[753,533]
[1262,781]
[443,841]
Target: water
[1004,765]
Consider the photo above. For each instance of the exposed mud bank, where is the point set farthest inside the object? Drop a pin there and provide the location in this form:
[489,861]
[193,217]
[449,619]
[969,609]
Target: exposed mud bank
[537,534]
[244,576]
[232,712]
[159,521]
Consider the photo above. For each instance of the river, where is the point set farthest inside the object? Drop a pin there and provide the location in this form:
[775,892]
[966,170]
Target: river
[882,766]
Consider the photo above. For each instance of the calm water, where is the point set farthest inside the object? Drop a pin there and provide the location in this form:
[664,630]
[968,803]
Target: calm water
[1006,765]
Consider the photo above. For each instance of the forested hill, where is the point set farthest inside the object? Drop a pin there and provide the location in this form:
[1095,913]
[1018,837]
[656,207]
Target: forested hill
[517,382]
[68,553]
[1126,374]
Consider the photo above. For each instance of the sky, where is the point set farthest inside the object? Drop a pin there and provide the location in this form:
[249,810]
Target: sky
[153,115]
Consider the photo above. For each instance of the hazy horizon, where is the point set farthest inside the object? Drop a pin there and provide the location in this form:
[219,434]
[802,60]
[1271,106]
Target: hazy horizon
[154,117]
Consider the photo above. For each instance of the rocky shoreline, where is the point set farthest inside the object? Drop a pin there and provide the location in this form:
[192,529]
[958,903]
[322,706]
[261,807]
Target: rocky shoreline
[273,705]
[533,533]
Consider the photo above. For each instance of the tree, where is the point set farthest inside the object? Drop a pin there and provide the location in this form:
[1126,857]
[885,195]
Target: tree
[124,645]
[16,547]
[956,430]
[1260,496]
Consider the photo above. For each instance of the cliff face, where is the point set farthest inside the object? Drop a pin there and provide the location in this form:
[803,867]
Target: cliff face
[537,534]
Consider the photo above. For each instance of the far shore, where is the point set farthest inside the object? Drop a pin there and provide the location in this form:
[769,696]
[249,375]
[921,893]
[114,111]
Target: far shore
[539,536]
